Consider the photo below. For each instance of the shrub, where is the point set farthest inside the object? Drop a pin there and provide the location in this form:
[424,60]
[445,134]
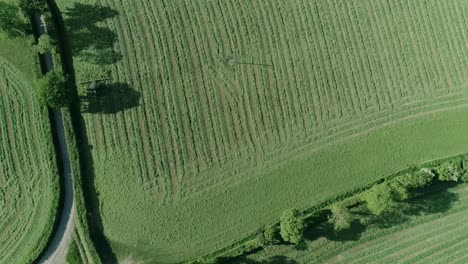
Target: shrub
[401,185]
[292,226]
[464,164]
[53,91]
[30,7]
[44,44]
[73,255]
[379,198]
[270,234]
[340,218]
[11,22]
[450,171]
[399,190]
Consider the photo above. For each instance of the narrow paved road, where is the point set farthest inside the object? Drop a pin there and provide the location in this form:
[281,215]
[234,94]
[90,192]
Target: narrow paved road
[57,249]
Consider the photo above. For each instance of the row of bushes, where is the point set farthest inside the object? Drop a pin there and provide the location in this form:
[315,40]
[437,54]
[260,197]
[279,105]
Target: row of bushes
[377,198]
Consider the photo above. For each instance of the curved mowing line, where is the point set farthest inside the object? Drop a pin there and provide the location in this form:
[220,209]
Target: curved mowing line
[328,140]
[18,236]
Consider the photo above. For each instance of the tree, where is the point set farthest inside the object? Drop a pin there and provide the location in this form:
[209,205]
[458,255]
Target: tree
[11,22]
[340,218]
[379,198]
[30,7]
[270,234]
[53,91]
[44,44]
[292,226]
[465,169]
[416,180]
[450,171]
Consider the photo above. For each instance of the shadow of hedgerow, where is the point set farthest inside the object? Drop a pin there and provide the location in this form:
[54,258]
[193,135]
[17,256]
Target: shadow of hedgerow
[92,40]
[430,200]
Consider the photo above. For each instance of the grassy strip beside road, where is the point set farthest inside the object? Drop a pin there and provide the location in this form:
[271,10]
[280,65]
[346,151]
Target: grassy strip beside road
[75,139]
[81,221]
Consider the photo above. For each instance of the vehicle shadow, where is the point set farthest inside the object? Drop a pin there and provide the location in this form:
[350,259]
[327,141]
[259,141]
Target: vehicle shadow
[110,99]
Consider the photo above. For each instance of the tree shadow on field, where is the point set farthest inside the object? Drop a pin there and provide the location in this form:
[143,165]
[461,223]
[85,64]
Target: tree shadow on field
[90,37]
[245,260]
[431,200]
[110,99]
[12,24]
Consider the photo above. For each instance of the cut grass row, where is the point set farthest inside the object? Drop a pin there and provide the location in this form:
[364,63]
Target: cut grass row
[249,110]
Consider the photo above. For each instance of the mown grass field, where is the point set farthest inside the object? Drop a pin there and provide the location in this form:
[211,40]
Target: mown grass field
[431,230]
[221,114]
[28,173]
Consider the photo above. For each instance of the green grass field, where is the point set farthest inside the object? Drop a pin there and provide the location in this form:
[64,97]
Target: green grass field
[431,229]
[28,172]
[221,114]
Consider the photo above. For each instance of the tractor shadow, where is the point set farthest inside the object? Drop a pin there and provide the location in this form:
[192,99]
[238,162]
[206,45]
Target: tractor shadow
[110,99]
[424,202]
[92,39]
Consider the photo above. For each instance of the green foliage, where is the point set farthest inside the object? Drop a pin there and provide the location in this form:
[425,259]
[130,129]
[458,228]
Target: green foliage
[292,226]
[400,192]
[379,198]
[465,169]
[73,255]
[413,235]
[340,217]
[30,7]
[11,23]
[450,171]
[271,234]
[415,180]
[81,220]
[53,91]
[45,44]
